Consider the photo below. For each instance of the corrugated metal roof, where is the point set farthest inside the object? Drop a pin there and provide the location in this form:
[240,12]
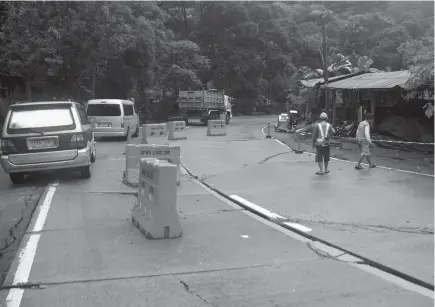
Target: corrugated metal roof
[380,80]
[313,82]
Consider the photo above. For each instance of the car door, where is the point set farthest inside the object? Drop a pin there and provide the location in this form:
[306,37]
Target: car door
[129,116]
[136,116]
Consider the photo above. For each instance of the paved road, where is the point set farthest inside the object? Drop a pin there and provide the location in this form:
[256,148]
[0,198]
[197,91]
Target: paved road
[16,207]
[384,215]
[89,253]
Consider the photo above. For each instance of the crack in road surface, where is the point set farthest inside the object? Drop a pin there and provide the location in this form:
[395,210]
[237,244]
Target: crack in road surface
[42,285]
[273,156]
[11,234]
[187,288]
[376,228]
[332,253]
[206,177]
[213,212]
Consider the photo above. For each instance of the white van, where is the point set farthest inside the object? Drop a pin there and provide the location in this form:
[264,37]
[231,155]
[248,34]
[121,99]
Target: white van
[113,117]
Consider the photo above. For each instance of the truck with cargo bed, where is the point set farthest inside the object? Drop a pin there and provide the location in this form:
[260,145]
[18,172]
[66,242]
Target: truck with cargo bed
[198,107]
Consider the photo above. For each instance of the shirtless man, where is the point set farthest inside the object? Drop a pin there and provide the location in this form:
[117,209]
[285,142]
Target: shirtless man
[364,141]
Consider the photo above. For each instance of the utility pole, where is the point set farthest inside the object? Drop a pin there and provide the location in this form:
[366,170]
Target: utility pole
[326,16]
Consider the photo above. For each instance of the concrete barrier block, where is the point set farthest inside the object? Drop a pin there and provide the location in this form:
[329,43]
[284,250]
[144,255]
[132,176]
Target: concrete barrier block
[153,133]
[216,128]
[155,213]
[133,154]
[176,130]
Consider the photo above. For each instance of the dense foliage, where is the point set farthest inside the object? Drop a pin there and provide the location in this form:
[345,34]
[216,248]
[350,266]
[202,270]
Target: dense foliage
[252,50]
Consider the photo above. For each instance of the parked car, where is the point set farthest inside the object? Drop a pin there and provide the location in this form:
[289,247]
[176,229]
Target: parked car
[113,117]
[42,136]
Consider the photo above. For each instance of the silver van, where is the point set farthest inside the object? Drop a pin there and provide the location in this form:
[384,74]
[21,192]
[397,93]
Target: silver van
[113,117]
[41,136]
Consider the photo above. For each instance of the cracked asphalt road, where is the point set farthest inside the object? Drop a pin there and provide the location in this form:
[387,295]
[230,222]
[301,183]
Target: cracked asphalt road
[17,204]
[90,254]
[384,215]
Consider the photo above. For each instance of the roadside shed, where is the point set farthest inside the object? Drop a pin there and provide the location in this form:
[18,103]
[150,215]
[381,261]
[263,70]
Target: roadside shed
[370,91]
[353,95]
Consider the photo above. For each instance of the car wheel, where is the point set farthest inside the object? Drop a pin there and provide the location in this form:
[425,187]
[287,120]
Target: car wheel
[94,155]
[86,172]
[17,178]
[126,135]
[136,133]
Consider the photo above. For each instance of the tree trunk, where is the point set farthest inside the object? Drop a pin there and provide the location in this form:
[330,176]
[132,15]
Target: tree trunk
[29,89]
[185,19]
[94,73]
[325,68]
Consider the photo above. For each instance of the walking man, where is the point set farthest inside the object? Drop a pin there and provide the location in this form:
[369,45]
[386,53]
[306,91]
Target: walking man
[364,141]
[321,132]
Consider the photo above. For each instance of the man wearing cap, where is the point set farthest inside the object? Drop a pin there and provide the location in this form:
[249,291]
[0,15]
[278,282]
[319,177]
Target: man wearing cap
[364,140]
[321,132]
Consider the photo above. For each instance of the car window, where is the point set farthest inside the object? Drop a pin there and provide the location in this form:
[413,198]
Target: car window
[82,115]
[128,110]
[41,118]
[104,110]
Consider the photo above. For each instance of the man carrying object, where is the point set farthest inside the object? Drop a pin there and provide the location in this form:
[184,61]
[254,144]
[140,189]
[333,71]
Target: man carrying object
[321,132]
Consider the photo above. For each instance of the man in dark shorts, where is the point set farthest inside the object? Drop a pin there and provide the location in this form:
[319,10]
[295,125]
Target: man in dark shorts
[321,133]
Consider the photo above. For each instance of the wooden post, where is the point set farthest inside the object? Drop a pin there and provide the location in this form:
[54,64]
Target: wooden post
[334,98]
[373,105]
[360,109]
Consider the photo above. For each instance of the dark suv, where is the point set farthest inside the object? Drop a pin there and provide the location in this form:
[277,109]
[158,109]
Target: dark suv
[41,136]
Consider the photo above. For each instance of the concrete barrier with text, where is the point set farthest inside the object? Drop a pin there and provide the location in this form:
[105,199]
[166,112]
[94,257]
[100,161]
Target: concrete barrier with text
[154,134]
[155,212]
[216,128]
[133,154]
[176,130]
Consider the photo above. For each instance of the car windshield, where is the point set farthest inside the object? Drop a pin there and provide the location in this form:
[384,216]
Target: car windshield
[41,118]
[104,110]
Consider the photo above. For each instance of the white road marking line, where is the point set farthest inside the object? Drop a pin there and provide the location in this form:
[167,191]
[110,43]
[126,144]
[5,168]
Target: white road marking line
[347,161]
[259,209]
[14,297]
[42,216]
[298,226]
[283,144]
[388,277]
[27,254]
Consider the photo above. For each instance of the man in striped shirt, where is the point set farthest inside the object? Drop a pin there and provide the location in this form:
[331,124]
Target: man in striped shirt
[364,141]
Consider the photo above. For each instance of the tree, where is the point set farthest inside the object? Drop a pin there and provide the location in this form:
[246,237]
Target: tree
[418,55]
[30,41]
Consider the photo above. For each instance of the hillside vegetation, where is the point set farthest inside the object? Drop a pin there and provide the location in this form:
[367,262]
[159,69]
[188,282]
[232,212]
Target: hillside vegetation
[253,50]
